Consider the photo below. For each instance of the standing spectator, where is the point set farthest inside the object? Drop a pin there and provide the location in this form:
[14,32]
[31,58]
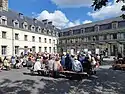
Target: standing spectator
[63,60]
[67,62]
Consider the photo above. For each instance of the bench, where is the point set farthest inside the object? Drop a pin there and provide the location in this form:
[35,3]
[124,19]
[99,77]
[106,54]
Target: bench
[73,74]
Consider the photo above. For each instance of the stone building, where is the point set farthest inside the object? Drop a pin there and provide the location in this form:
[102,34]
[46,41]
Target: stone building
[19,32]
[106,35]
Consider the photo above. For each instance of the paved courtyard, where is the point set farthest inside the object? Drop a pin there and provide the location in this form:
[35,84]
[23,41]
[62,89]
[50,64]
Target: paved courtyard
[106,81]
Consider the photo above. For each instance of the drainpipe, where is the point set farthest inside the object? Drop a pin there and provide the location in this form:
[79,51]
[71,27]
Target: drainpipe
[13,42]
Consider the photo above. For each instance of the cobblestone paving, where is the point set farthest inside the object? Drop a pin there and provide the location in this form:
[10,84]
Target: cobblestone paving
[106,81]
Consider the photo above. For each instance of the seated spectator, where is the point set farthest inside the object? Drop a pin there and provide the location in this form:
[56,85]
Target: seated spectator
[7,64]
[37,65]
[76,65]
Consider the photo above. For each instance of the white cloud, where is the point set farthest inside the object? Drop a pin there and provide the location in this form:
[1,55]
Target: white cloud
[86,21]
[59,19]
[72,3]
[71,24]
[111,10]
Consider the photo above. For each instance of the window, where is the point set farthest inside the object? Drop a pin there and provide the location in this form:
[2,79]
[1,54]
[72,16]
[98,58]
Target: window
[105,26]
[16,24]
[33,38]
[105,37]
[40,49]
[4,34]
[54,50]
[54,41]
[121,24]
[39,39]
[45,49]
[89,29]
[45,41]
[16,50]
[39,29]
[4,20]
[33,48]
[3,50]
[25,25]
[32,28]
[77,31]
[44,31]
[66,33]
[25,38]
[89,38]
[114,36]
[16,36]
[50,49]
[114,25]
[96,28]
[49,40]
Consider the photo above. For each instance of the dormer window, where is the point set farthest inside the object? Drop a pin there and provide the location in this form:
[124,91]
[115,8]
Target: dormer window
[53,33]
[96,28]
[25,25]
[38,29]
[49,32]
[4,20]
[32,27]
[82,30]
[114,25]
[16,23]
[44,30]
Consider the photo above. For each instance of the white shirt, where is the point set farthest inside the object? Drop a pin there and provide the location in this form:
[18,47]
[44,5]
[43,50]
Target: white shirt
[37,66]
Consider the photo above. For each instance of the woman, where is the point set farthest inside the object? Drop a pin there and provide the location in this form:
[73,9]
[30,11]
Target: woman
[57,67]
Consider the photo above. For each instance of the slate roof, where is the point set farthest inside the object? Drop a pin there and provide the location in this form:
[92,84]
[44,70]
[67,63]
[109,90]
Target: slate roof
[12,15]
[106,21]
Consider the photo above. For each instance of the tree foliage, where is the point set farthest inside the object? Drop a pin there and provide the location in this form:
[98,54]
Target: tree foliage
[98,4]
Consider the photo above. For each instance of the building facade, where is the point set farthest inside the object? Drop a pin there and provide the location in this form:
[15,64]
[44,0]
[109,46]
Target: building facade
[18,32]
[107,35]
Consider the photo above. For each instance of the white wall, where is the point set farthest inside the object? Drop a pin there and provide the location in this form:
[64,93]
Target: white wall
[21,43]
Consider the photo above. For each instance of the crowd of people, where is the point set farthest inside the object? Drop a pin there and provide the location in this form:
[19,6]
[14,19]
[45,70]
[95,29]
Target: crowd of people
[82,62]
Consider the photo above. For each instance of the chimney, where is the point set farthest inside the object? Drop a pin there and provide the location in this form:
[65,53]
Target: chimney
[35,20]
[21,15]
[50,23]
[45,21]
[3,5]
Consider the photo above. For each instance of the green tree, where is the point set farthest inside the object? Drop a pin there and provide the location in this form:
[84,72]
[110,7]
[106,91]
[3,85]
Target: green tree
[98,4]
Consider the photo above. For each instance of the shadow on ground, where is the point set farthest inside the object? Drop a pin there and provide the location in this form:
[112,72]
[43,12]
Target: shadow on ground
[107,81]
[18,87]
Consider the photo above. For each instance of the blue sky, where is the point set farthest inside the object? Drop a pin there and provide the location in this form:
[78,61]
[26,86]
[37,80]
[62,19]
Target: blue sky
[65,13]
